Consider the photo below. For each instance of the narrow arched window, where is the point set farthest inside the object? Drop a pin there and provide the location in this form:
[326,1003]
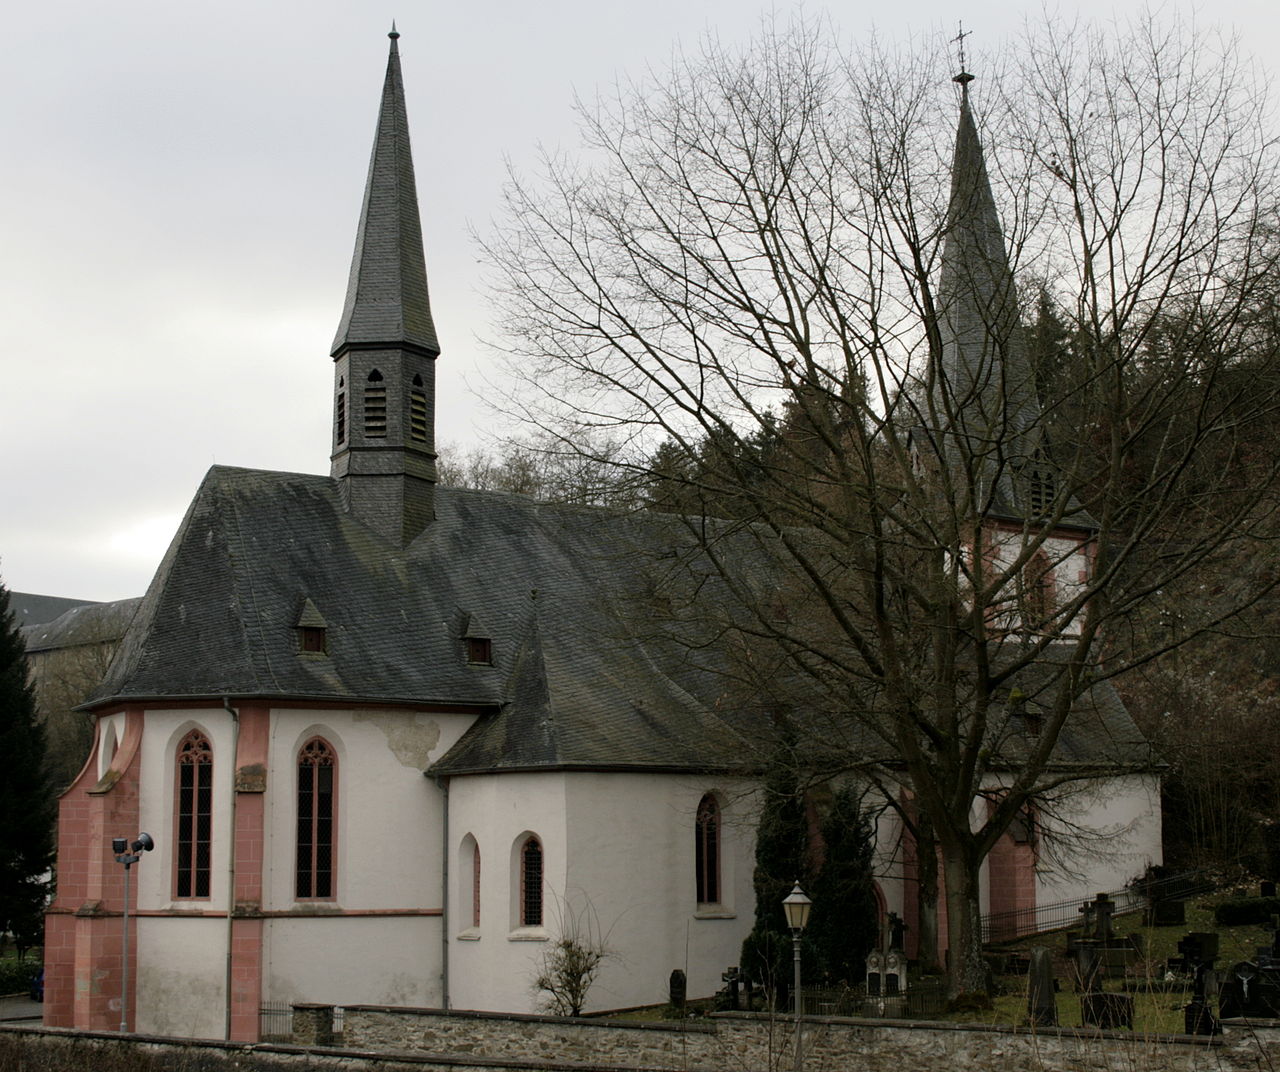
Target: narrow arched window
[475,886]
[375,406]
[340,417]
[531,883]
[194,808]
[1039,593]
[317,783]
[706,851]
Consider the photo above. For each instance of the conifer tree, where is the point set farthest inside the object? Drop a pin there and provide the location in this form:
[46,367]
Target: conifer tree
[835,870]
[842,925]
[781,844]
[26,798]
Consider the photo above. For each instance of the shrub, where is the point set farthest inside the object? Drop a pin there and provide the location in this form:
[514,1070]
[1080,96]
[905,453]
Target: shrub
[1241,911]
[15,976]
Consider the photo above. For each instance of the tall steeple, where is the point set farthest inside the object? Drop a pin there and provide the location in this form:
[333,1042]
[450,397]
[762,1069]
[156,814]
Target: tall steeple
[984,389]
[385,348]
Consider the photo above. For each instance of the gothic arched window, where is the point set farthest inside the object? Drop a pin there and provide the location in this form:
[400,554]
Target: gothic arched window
[706,850]
[194,807]
[317,785]
[531,883]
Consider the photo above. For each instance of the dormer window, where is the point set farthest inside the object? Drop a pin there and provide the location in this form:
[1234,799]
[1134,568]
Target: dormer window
[311,638]
[476,643]
[312,630]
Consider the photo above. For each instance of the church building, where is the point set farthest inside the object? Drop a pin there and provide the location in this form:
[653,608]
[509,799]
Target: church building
[393,739]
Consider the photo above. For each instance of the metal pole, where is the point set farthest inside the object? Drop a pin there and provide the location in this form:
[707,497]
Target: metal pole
[795,945]
[124,990]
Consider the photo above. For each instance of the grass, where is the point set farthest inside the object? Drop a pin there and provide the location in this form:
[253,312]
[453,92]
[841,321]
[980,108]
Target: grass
[1158,1004]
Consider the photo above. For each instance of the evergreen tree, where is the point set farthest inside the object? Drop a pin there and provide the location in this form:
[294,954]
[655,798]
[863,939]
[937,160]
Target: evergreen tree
[835,871]
[26,798]
[781,857]
[842,924]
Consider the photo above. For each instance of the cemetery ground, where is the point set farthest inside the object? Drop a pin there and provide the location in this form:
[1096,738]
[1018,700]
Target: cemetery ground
[1159,995]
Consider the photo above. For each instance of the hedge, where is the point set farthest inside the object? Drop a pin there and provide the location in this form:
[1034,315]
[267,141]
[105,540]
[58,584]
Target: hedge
[1240,911]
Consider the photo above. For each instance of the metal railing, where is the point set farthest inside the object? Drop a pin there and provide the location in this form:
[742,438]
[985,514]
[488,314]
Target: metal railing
[922,999]
[275,1021]
[1008,926]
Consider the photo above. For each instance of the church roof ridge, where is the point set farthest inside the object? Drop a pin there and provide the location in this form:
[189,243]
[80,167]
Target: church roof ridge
[387,301]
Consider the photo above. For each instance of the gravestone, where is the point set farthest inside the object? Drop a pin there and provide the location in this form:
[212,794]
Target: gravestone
[677,990]
[731,977]
[1107,1010]
[1199,950]
[1042,1004]
[1248,990]
[1166,913]
[886,983]
[875,973]
[897,932]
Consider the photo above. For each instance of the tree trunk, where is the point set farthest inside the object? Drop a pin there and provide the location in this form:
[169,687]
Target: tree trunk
[967,972]
[926,894]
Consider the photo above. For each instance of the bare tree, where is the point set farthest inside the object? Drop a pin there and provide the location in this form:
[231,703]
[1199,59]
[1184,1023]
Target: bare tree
[957,539]
[568,967]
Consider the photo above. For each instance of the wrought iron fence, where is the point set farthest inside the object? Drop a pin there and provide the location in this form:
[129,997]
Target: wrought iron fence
[1008,926]
[275,1021]
[922,999]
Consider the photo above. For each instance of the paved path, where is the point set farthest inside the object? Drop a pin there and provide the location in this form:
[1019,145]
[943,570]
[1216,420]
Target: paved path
[20,1009]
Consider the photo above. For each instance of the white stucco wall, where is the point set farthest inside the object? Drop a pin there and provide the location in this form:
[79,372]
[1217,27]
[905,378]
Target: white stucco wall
[154,874]
[1095,837]
[181,984]
[1108,833]
[1068,563]
[619,861]
[353,960]
[376,940]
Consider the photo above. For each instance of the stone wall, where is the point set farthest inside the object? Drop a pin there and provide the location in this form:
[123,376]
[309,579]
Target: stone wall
[736,1042]
[533,1038]
[414,1040]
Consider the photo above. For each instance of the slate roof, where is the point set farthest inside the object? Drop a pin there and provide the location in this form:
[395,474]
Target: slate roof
[582,675]
[31,609]
[83,624]
[387,301]
[573,682]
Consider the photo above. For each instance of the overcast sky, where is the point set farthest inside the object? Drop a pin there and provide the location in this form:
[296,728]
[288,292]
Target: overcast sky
[180,190]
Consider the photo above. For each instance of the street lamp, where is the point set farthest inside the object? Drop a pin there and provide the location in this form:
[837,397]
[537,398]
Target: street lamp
[796,905]
[128,853]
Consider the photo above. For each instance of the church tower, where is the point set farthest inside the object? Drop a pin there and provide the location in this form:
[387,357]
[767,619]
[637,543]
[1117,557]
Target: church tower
[989,425]
[983,392]
[385,350]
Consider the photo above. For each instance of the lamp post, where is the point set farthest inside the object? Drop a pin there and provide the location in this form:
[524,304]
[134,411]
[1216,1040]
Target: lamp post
[796,905]
[128,853]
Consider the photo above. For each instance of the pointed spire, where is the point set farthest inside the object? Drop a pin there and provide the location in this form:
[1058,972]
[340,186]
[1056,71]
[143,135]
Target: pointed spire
[987,381]
[387,301]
